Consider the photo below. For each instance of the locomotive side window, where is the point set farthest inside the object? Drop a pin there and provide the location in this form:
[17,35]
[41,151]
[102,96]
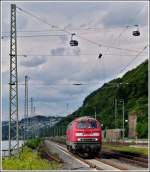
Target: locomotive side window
[87,124]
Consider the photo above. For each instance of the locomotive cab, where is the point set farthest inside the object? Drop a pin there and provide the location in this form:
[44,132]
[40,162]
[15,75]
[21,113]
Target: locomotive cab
[84,136]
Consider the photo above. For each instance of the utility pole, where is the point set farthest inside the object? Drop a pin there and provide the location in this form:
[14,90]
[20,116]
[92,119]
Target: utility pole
[115,113]
[123,109]
[95,112]
[67,108]
[123,119]
[31,107]
[13,86]
[36,128]
[34,110]
[26,109]
[31,114]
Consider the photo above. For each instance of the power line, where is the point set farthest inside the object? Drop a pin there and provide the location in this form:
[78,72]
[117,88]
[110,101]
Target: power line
[67,84]
[26,36]
[68,55]
[68,32]
[22,31]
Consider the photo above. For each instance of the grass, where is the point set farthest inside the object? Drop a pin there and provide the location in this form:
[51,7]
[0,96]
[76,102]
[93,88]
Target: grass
[126,149]
[28,160]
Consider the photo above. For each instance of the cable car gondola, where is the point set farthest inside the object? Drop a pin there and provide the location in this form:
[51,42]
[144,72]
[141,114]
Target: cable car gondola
[136,32]
[72,41]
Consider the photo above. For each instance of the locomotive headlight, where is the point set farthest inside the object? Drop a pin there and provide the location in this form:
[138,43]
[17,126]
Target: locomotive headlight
[79,134]
[96,134]
[78,139]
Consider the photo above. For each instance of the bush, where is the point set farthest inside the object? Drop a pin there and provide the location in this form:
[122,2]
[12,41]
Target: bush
[33,143]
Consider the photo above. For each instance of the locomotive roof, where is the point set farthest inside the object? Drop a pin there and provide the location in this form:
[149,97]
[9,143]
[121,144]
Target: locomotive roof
[84,118]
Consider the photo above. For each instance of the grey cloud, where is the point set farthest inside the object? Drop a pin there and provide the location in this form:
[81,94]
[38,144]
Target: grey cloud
[76,51]
[65,51]
[58,51]
[33,62]
[125,14]
[22,22]
[63,39]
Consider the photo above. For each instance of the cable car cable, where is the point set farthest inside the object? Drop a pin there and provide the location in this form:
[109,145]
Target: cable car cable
[68,55]
[132,60]
[55,30]
[133,74]
[53,26]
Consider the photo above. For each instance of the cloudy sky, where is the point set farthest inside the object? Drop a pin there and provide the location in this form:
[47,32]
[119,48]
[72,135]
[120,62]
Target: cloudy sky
[53,66]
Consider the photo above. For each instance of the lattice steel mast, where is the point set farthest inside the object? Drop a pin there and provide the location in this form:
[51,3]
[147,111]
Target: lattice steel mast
[13,86]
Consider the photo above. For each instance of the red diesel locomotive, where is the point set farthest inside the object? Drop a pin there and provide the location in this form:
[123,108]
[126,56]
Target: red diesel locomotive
[84,136]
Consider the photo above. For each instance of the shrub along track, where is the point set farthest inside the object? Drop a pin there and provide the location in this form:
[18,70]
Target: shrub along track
[44,153]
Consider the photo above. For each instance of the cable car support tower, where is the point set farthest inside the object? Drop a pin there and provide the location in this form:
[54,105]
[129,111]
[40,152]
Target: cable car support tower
[13,87]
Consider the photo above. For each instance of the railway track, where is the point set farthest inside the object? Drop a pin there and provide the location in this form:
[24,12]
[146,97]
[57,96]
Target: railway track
[139,161]
[95,163]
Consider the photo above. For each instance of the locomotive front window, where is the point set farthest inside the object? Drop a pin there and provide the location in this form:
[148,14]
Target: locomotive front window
[87,124]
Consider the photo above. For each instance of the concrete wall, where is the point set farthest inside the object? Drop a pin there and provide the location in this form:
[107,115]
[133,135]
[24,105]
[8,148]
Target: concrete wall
[113,134]
[132,122]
